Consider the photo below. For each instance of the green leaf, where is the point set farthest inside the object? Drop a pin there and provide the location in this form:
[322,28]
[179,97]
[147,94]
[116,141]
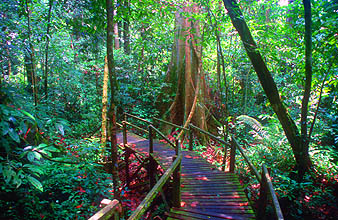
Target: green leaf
[12,133]
[36,183]
[31,156]
[60,128]
[4,127]
[42,146]
[35,169]
[52,149]
[27,114]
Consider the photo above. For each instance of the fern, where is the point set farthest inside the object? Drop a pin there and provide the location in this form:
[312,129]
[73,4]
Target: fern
[256,125]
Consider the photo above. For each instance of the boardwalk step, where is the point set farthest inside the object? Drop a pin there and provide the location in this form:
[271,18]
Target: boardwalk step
[182,213]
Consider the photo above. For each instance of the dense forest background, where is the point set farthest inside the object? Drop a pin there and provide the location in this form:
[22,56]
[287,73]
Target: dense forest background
[264,71]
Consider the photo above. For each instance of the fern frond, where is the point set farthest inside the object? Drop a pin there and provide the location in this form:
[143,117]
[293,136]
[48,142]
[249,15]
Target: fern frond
[254,123]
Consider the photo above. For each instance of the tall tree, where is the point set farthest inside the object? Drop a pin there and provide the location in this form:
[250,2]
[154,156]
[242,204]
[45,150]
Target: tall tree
[30,58]
[126,23]
[47,45]
[113,87]
[297,140]
[185,70]
[104,106]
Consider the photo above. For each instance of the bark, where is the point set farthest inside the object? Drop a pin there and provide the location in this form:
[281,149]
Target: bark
[141,60]
[291,131]
[308,71]
[47,45]
[9,65]
[184,67]
[126,35]
[320,97]
[31,57]
[116,36]
[112,108]
[104,106]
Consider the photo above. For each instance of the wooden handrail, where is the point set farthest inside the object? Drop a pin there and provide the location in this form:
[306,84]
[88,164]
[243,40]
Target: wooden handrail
[111,211]
[267,188]
[138,118]
[209,134]
[163,136]
[135,126]
[145,204]
[252,167]
[266,177]
[169,123]
[265,182]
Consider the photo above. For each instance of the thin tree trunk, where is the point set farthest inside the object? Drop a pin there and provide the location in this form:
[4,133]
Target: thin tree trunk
[47,45]
[126,35]
[291,131]
[116,36]
[320,97]
[112,108]
[308,72]
[9,69]
[104,106]
[31,53]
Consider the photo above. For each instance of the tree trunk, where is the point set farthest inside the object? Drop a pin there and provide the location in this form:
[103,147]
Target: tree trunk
[270,88]
[308,71]
[116,36]
[126,35]
[47,45]
[31,57]
[112,108]
[104,106]
[186,68]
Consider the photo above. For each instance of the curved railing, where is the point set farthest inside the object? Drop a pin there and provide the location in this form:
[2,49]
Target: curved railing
[264,179]
[174,170]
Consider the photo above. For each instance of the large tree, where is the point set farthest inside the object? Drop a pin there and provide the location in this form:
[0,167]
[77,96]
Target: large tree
[298,140]
[113,88]
[185,70]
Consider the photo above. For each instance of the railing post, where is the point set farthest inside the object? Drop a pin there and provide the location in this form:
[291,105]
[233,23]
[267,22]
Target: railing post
[177,143]
[190,138]
[232,155]
[124,133]
[124,116]
[263,197]
[127,153]
[151,159]
[224,157]
[177,185]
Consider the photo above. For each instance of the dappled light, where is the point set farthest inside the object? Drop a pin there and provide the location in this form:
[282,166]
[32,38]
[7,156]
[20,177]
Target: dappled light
[189,109]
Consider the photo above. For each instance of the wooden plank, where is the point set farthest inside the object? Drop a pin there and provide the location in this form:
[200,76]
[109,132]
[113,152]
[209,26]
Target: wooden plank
[141,209]
[275,202]
[171,124]
[181,215]
[138,118]
[210,135]
[213,215]
[112,210]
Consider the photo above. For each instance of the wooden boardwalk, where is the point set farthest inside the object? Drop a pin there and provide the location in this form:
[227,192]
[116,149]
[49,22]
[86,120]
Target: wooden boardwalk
[207,193]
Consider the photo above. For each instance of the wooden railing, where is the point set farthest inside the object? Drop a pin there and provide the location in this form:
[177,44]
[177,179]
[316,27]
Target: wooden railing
[264,179]
[113,210]
[174,170]
[265,183]
[225,144]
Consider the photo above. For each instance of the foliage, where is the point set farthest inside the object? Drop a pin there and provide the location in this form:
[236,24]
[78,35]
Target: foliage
[312,197]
